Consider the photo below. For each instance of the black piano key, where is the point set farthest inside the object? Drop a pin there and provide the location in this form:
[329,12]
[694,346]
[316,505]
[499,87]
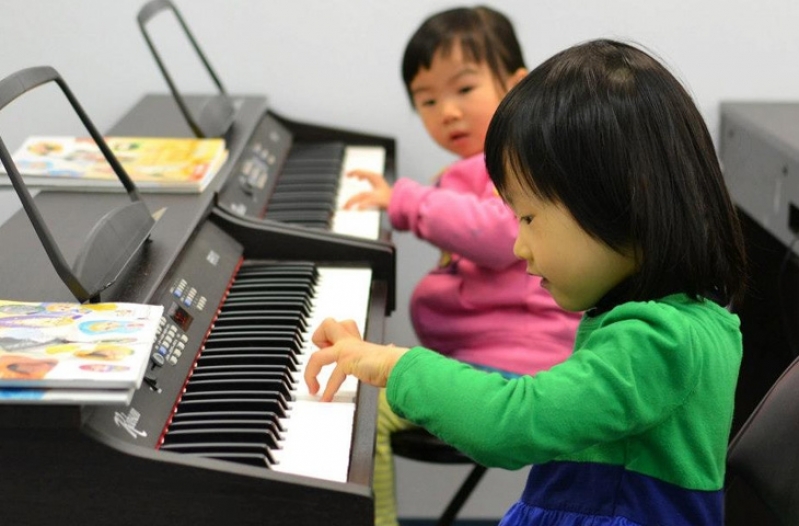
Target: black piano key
[269,284]
[245,372]
[331,167]
[285,359]
[269,299]
[253,303]
[302,196]
[264,333]
[278,278]
[240,435]
[271,420]
[214,387]
[253,329]
[264,404]
[301,183]
[299,216]
[318,208]
[270,424]
[251,454]
[233,317]
[211,371]
[259,339]
[293,268]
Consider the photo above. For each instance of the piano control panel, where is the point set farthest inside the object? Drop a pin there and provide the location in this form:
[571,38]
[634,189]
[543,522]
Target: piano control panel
[204,272]
[170,342]
[255,172]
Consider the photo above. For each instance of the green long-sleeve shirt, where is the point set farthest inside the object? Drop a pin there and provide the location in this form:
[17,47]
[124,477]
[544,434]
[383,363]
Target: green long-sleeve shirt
[650,387]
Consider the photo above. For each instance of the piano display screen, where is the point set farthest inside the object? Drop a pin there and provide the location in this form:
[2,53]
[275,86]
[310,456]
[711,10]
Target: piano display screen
[180,316]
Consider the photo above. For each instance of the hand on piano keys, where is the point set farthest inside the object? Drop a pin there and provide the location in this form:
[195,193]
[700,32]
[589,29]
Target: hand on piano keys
[379,196]
[341,344]
[364,223]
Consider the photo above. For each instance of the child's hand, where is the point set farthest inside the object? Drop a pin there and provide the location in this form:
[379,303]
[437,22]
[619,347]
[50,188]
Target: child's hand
[341,343]
[379,196]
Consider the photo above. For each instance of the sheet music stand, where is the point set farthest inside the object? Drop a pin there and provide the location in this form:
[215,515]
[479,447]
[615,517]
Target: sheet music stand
[217,113]
[115,239]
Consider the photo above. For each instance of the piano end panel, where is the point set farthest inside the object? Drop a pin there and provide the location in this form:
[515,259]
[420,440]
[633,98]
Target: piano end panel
[57,476]
[365,427]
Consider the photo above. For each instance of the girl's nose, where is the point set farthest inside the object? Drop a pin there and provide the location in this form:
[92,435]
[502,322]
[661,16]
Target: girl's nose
[520,250]
[450,111]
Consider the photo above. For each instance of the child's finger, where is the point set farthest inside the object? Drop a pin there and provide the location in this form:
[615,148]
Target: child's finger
[351,327]
[337,378]
[314,366]
[361,200]
[329,332]
[371,177]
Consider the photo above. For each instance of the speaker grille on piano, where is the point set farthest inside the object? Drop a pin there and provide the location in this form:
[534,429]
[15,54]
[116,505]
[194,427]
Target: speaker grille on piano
[237,398]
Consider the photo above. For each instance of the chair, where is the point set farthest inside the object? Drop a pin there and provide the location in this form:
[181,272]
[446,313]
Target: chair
[418,444]
[763,459]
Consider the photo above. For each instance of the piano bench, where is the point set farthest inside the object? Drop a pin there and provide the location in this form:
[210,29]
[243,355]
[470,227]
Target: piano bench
[418,444]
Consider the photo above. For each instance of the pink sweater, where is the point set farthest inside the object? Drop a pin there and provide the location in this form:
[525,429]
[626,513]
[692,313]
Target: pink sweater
[479,306]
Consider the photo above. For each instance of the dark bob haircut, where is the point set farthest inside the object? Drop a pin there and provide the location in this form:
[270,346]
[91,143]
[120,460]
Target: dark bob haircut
[605,130]
[485,35]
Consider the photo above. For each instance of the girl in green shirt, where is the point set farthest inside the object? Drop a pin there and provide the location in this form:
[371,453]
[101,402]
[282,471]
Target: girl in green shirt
[623,213]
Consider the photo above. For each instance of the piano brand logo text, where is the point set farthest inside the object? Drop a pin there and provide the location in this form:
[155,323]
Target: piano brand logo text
[128,422]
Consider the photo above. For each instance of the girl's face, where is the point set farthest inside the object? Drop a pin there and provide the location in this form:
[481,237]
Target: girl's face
[456,100]
[574,267]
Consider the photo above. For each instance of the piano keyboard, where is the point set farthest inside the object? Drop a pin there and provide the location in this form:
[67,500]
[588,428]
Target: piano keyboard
[245,401]
[359,223]
[313,188]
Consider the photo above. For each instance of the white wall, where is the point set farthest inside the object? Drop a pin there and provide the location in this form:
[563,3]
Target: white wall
[336,62]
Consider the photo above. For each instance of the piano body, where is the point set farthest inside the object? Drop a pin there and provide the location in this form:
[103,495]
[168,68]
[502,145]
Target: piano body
[200,444]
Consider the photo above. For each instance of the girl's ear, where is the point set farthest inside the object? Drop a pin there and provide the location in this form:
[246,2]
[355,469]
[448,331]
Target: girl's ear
[516,77]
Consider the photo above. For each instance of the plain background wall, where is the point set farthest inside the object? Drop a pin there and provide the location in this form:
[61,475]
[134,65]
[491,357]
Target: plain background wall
[336,63]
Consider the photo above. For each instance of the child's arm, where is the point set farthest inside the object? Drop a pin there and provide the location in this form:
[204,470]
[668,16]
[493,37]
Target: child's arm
[477,225]
[341,343]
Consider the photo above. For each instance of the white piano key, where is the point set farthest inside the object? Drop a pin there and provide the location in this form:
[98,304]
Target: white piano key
[317,440]
[359,223]
[341,293]
[318,435]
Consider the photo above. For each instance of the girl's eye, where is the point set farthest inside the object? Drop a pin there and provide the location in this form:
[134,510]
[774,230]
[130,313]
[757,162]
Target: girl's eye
[526,219]
[427,103]
[465,89]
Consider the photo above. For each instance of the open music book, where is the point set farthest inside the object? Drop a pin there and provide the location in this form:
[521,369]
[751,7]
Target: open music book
[155,164]
[59,345]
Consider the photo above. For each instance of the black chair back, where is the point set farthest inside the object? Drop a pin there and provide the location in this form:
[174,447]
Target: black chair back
[763,458]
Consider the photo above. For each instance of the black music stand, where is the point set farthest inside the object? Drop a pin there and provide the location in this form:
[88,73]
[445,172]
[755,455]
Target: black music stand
[217,112]
[116,237]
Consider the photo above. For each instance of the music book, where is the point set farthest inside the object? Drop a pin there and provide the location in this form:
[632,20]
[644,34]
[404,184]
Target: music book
[155,164]
[17,395]
[74,346]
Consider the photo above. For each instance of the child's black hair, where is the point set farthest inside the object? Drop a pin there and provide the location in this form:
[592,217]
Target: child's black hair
[484,34]
[605,130]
